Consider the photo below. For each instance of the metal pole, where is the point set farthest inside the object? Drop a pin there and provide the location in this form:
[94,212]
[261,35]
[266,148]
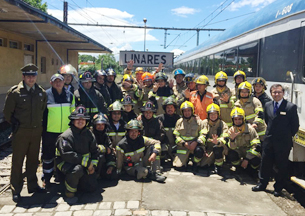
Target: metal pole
[197,37]
[144,20]
[165,38]
[65,12]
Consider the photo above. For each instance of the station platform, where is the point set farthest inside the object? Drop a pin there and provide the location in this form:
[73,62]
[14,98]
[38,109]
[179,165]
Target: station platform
[183,194]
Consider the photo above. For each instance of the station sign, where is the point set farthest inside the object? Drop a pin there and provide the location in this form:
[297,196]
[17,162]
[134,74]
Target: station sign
[147,59]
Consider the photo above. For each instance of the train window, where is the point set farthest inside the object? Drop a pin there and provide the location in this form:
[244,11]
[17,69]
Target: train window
[279,54]
[230,61]
[247,58]
[218,62]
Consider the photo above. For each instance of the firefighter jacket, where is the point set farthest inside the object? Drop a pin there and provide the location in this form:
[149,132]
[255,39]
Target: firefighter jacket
[201,103]
[264,98]
[56,116]
[145,92]
[169,123]
[104,91]
[160,96]
[103,142]
[115,134]
[225,108]
[254,114]
[234,93]
[131,152]
[136,95]
[127,116]
[115,92]
[25,108]
[76,147]
[246,142]
[178,91]
[95,96]
[153,128]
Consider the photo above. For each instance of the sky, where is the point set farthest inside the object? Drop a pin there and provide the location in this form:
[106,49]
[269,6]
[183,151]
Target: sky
[216,14]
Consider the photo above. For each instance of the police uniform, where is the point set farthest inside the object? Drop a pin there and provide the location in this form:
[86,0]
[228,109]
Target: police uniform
[24,109]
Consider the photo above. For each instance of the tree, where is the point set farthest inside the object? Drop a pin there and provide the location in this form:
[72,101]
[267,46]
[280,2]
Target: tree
[37,4]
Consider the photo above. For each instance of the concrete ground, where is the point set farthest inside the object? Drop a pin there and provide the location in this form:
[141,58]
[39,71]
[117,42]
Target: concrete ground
[183,194]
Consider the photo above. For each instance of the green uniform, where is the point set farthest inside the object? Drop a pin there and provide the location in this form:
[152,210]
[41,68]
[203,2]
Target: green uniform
[24,109]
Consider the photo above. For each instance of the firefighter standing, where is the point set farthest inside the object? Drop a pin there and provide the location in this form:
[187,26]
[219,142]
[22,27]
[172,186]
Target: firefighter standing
[223,97]
[113,89]
[191,85]
[100,85]
[243,142]
[128,107]
[201,98]
[239,77]
[135,152]
[215,132]
[252,107]
[116,130]
[69,73]
[179,87]
[148,80]
[189,139]
[259,87]
[77,154]
[55,122]
[23,108]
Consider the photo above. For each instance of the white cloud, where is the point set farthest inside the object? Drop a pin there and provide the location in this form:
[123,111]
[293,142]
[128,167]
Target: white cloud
[114,38]
[184,11]
[258,4]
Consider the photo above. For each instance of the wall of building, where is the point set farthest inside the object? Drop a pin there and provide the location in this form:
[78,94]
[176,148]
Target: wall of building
[11,59]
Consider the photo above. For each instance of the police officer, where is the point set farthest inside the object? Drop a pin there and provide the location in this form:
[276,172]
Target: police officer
[215,132]
[169,120]
[88,96]
[239,77]
[107,161]
[135,152]
[55,122]
[223,97]
[259,87]
[77,154]
[243,142]
[128,107]
[160,91]
[23,108]
[252,107]
[116,130]
[131,89]
[201,98]
[100,77]
[69,73]
[180,86]
[114,91]
[189,139]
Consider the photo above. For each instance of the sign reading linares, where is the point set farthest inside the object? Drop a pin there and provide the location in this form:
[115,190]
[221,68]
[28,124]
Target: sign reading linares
[147,59]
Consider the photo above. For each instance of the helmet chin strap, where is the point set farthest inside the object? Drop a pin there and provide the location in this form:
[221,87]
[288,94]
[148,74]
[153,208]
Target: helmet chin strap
[239,125]
[244,97]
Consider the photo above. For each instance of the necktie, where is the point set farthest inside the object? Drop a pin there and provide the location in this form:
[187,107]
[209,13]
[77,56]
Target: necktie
[276,107]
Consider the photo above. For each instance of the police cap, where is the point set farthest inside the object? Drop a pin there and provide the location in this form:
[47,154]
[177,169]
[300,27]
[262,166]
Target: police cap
[29,69]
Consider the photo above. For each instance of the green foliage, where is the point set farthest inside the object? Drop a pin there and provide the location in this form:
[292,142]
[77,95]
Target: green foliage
[108,60]
[37,4]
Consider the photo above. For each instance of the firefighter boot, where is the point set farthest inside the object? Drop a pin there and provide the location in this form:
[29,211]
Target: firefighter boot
[155,176]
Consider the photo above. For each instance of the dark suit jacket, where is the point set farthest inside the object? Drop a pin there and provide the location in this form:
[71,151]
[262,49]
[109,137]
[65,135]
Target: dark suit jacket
[282,126]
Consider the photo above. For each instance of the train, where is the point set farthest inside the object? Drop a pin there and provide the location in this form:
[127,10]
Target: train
[268,44]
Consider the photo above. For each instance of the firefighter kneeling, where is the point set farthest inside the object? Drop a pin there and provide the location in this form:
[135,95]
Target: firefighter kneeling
[77,154]
[189,139]
[243,142]
[135,152]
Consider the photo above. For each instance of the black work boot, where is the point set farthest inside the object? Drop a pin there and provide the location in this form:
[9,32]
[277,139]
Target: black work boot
[218,170]
[155,176]
[195,168]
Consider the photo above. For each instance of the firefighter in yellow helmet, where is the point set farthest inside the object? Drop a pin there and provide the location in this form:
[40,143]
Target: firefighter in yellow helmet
[239,77]
[243,142]
[259,87]
[189,139]
[133,90]
[201,98]
[216,137]
[223,97]
[253,108]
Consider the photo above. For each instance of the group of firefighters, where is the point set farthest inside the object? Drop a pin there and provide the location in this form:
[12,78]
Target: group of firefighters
[103,128]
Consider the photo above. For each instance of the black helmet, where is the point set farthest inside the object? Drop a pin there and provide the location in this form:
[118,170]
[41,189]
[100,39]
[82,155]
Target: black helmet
[79,112]
[161,76]
[110,71]
[149,106]
[86,77]
[127,100]
[189,78]
[169,101]
[99,73]
[100,118]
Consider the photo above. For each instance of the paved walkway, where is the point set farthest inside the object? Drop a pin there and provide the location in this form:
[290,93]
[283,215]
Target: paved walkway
[183,194]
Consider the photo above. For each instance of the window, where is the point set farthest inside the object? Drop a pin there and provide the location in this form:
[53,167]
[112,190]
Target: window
[28,47]
[247,59]
[14,44]
[218,62]
[230,60]
[43,65]
[1,42]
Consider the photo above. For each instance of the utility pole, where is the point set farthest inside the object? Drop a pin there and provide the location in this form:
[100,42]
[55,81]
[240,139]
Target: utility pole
[65,12]
[144,20]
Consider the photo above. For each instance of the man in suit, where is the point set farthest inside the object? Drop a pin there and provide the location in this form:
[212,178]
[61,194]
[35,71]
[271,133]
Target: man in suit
[282,124]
